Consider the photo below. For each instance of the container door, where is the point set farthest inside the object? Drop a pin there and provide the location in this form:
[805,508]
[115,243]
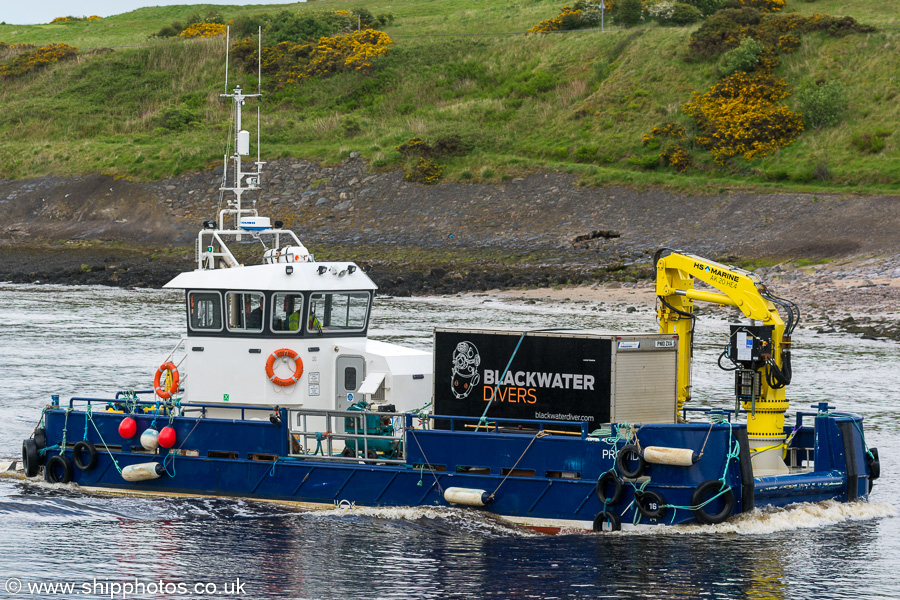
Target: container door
[351,371]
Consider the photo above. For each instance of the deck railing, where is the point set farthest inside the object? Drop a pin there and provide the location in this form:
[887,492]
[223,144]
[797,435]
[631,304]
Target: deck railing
[325,432]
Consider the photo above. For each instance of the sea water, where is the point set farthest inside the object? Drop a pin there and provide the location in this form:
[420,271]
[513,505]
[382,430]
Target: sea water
[94,341]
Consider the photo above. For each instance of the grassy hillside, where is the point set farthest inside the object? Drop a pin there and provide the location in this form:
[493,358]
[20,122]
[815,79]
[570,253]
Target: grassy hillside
[577,101]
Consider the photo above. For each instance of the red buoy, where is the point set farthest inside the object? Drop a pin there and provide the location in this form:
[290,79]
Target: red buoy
[167,437]
[127,428]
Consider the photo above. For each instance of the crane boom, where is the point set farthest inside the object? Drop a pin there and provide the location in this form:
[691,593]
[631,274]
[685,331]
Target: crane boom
[760,352]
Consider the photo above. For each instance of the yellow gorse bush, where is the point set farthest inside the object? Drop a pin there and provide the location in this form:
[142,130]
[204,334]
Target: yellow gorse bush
[203,30]
[14,48]
[555,23]
[33,60]
[673,130]
[740,116]
[765,5]
[348,52]
[73,19]
[291,63]
[677,157]
[424,171]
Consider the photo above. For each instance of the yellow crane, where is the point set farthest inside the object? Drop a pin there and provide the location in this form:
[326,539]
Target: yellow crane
[759,353]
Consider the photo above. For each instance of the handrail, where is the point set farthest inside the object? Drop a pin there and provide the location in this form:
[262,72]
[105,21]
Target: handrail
[726,411]
[496,422]
[203,407]
[331,419]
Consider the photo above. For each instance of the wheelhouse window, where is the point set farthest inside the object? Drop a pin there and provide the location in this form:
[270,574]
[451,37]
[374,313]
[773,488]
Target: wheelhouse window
[287,313]
[205,311]
[342,312]
[244,311]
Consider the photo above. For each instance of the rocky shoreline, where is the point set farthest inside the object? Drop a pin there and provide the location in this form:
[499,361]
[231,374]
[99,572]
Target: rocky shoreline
[853,295]
[540,230]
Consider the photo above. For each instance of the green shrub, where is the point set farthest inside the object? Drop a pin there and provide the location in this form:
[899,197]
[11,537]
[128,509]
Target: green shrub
[537,83]
[559,152]
[836,26]
[487,173]
[685,14]
[586,154]
[351,125]
[169,30]
[645,162]
[288,27]
[451,145]
[628,13]
[384,19]
[706,7]
[869,144]
[822,103]
[777,174]
[447,145]
[722,31]
[175,118]
[600,70]
[743,58]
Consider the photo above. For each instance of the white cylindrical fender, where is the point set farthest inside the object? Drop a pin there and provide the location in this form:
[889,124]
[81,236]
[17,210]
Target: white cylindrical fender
[143,471]
[466,496]
[678,457]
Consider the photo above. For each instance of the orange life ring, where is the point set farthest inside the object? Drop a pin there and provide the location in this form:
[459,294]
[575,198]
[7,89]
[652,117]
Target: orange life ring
[159,388]
[270,367]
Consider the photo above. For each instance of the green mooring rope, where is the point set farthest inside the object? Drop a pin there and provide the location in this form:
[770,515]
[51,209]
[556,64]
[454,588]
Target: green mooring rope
[90,418]
[855,424]
[735,452]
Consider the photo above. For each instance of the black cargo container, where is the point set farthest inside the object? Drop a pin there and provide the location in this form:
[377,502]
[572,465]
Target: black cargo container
[573,376]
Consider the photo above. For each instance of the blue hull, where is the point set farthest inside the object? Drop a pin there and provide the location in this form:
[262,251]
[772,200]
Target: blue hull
[546,482]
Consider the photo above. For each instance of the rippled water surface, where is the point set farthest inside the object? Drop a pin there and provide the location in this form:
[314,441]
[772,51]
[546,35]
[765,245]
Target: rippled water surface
[93,341]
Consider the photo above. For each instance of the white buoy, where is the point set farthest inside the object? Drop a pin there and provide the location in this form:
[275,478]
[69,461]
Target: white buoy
[143,471]
[678,457]
[466,496]
[150,439]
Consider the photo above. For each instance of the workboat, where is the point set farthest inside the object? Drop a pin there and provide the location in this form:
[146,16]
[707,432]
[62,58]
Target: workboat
[276,392]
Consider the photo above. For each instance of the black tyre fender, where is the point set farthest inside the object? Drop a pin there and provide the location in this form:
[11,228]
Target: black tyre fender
[78,459]
[608,518]
[650,504]
[59,469]
[31,458]
[704,492]
[874,464]
[40,438]
[627,452]
[618,490]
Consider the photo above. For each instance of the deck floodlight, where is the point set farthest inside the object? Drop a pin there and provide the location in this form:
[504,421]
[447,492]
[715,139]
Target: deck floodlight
[351,269]
[322,270]
[279,224]
[209,224]
[288,269]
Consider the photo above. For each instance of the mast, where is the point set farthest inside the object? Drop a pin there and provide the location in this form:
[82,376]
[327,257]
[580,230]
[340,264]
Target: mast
[243,180]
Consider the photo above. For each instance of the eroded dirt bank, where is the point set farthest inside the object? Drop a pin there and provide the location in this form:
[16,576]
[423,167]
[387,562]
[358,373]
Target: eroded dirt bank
[542,230]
